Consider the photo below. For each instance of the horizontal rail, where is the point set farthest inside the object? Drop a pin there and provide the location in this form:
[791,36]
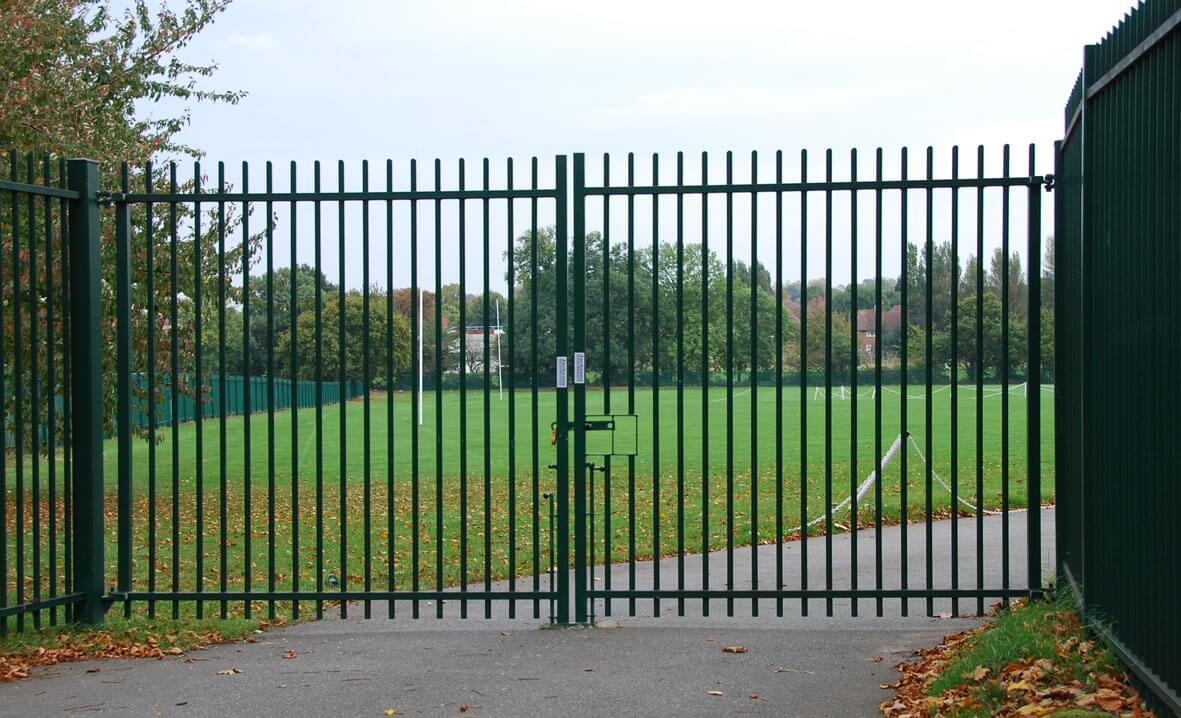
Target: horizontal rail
[820,186]
[23,188]
[1134,56]
[455,594]
[674,593]
[45,603]
[372,196]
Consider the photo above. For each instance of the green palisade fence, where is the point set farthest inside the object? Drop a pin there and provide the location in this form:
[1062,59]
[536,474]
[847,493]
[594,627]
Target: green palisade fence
[300,495]
[1119,253]
[236,400]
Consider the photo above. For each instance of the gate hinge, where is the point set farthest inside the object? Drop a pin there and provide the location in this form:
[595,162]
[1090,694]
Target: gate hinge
[1048,181]
[108,199]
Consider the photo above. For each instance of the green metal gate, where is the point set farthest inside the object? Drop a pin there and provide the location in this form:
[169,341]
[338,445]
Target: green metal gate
[744,435]
[772,390]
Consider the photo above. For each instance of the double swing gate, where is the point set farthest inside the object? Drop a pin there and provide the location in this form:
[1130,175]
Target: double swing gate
[749,388]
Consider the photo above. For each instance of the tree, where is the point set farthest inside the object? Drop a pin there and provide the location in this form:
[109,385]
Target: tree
[1018,287]
[842,342]
[405,306]
[538,286]
[353,327]
[77,80]
[991,354]
[275,296]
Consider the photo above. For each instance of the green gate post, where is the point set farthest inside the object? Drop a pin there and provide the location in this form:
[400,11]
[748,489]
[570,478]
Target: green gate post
[563,452]
[579,273]
[86,390]
[1033,389]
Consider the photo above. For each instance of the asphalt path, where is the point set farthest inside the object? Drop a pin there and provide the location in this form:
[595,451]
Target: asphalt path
[655,663]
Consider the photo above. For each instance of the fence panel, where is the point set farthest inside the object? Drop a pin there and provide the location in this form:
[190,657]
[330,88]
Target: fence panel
[751,348]
[246,489]
[37,493]
[1120,235]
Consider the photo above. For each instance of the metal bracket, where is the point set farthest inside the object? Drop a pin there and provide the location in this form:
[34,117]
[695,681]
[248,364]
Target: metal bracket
[611,434]
[1048,180]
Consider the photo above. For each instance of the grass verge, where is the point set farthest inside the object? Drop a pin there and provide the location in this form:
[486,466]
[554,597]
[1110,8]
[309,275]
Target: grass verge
[1031,659]
[135,637]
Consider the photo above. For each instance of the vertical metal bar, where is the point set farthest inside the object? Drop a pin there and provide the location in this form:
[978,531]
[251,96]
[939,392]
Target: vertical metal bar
[294,374]
[390,464]
[123,387]
[853,362]
[86,396]
[487,412]
[631,379]
[804,381]
[174,382]
[606,374]
[877,388]
[270,287]
[367,377]
[34,388]
[580,465]
[222,339]
[754,384]
[70,613]
[462,354]
[904,427]
[439,386]
[416,329]
[705,378]
[680,387]
[510,259]
[828,381]
[980,377]
[729,383]
[1005,363]
[1033,405]
[4,427]
[19,391]
[153,399]
[342,398]
[779,341]
[533,398]
[343,389]
[319,376]
[4,420]
[563,457]
[929,360]
[955,361]
[199,396]
[247,398]
[655,383]
[51,371]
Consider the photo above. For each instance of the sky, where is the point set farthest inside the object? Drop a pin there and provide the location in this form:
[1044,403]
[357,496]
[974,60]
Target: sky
[364,79]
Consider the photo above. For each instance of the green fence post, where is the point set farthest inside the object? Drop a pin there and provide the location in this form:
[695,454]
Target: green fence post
[86,390]
[579,377]
[1033,387]
[123,353]
[563,456]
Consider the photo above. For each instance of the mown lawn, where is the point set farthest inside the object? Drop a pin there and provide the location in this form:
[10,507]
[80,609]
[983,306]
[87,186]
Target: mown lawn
[315,483]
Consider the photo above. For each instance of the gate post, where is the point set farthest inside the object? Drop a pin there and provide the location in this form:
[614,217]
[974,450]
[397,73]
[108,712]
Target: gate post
[578,371]
[563,411]
[1033,389]
[86,390]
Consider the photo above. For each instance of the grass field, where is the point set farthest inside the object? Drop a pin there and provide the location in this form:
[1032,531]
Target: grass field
[346,528]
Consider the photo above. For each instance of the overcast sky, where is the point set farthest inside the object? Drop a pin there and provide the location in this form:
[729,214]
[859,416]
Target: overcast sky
[362,79]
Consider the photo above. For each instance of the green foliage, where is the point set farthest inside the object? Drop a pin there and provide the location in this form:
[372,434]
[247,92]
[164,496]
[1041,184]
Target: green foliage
[353,328]
[76,77]
[78,80]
